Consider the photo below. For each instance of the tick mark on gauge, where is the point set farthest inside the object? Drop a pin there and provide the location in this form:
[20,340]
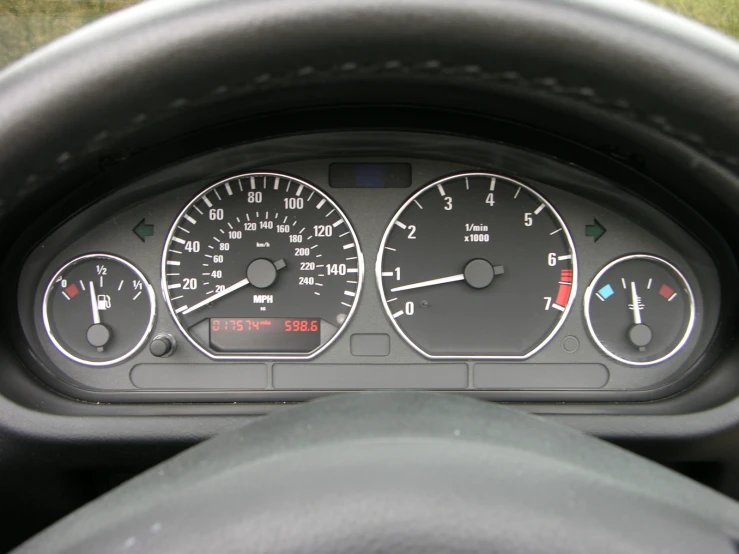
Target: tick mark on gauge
[441,190]
[387,274]
[299,191]
[492,184]
[518,190]
[215,191]
[418,204]
[558,307]
[82,284]
[173,262]
[228,189]
[253,183]
[321,203]
[241,187]
[277,183]
[332,211]
[337,223]
[179,240]
[555,231]
[195,207]
[566,257]
[538,210]
[350,245]
[391,300]
[207,201]
[343,234]
[649,284]
[401,224]
[396,315]
[183,229]
[311,195]
[350,270]
[349,293]
[347,305]
[391,249]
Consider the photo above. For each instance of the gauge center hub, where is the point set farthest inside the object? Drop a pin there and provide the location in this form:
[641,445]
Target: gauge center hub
[479,273]
[261,273]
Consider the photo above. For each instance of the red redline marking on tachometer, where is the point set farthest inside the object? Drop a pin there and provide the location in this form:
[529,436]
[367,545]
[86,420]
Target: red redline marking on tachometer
[563,295]
[566,276]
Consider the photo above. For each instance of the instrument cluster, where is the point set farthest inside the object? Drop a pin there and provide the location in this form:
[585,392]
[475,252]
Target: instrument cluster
[369,272]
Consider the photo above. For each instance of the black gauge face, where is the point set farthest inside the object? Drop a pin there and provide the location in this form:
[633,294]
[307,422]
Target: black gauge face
[262,265]
[98,309]
[640,310]
[477,265]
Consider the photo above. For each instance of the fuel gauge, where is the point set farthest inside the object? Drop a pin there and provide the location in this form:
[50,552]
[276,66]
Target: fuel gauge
[98,309]
[640,310]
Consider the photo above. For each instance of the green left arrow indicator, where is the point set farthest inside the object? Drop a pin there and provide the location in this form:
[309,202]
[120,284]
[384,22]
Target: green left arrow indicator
[143,230]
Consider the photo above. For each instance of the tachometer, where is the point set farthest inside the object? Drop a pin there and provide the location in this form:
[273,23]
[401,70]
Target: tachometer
[262,265]
[477,266]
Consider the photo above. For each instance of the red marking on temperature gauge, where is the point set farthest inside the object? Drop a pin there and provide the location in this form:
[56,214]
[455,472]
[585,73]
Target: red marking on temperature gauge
[667,292]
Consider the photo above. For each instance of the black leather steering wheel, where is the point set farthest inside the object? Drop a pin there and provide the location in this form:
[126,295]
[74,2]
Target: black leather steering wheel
[408,472]
[402,472]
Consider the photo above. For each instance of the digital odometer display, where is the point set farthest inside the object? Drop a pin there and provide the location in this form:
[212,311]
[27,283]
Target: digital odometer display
[477,266]
[270,248]
[265,334]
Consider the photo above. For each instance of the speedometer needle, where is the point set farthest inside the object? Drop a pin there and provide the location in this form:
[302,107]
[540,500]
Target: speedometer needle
[224,292]
[432,282]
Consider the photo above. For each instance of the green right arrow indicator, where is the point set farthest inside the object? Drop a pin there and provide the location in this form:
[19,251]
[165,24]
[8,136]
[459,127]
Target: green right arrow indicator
[596,230]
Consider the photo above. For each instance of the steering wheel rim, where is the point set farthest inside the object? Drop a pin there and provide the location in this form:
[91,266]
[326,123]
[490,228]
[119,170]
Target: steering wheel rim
[162,70]
[401,471]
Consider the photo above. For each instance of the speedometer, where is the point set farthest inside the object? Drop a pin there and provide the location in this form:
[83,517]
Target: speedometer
[477,265]
[262,265]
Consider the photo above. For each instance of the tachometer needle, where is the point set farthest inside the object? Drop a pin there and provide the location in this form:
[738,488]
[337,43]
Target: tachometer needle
[224,292]
[635,307]
[95,309]
[432,282]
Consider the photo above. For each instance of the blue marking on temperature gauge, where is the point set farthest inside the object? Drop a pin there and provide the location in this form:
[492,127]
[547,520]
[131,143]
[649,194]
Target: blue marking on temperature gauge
[605,292]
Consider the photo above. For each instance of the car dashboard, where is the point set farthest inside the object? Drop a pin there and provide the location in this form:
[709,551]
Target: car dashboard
[298,266]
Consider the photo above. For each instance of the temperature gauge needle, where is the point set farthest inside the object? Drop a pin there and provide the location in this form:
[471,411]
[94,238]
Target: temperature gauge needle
[635,308]
[640,334]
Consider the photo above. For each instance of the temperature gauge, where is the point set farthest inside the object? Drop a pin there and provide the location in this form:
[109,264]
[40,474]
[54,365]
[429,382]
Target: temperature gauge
[640,310]
[98,309]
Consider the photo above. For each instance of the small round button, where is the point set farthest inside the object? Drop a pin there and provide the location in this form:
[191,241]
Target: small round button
[162,346]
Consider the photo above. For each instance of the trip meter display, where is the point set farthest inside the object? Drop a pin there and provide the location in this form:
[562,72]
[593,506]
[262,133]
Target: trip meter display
[262,265]
[477,266]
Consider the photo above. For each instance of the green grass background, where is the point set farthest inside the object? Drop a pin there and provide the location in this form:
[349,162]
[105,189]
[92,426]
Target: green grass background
[27,24]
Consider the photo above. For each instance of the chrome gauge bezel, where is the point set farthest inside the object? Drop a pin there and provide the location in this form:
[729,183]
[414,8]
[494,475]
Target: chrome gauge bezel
[455,176]
[263,356]
[691,302]
[149,326]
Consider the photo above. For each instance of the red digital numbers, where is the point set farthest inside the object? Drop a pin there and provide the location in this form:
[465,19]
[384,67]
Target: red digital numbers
[240,325]
[301,326]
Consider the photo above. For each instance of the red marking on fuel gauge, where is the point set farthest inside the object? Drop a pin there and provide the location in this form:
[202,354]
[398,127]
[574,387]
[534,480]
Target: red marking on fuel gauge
[72,291]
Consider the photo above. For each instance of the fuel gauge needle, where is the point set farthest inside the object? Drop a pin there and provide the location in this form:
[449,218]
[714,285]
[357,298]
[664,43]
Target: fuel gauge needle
[93,300]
